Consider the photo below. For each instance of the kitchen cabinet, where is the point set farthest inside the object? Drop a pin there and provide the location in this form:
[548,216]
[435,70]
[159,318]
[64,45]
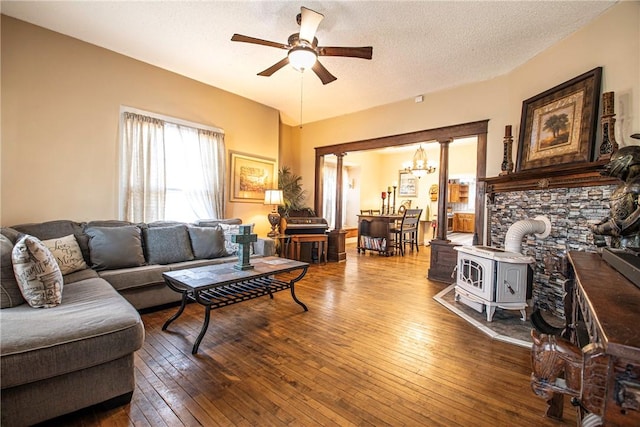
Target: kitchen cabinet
[458,193]
[463,222]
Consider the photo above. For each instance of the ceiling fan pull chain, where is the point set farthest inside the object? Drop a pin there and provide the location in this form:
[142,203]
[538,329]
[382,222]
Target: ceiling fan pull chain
[301,92]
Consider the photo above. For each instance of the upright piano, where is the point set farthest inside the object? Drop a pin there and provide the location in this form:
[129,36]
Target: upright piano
[303,225]
[308,236]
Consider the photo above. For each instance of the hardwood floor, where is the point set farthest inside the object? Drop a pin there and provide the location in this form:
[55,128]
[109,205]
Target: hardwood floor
[373,349]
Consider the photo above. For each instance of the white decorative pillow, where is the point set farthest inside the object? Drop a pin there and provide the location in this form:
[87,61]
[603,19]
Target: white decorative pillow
[37,273]
[67,253]
[229,230]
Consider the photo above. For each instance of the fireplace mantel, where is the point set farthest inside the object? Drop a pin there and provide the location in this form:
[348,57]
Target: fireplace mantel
[579,175]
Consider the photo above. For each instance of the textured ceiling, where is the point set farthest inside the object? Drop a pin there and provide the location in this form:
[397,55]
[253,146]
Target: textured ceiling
[418,47]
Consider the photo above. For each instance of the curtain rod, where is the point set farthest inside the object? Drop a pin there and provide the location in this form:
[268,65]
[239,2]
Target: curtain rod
[169,119]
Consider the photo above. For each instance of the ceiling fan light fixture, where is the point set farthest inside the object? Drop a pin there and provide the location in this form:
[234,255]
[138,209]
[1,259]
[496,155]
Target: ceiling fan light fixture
[302,58]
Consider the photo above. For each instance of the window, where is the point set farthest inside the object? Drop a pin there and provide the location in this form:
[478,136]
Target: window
[329,191]
[170,169]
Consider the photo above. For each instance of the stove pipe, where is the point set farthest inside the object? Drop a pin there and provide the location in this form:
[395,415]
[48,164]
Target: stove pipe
[540,225]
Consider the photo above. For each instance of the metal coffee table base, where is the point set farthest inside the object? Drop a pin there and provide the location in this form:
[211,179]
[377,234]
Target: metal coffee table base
[233,293]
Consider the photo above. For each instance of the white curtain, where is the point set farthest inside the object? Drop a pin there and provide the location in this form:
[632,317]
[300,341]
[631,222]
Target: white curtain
[143,169]
[329,192]
[195,173]
[206,170]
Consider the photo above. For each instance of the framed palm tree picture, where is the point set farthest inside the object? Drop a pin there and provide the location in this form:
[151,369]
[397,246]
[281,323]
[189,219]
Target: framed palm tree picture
[558,126]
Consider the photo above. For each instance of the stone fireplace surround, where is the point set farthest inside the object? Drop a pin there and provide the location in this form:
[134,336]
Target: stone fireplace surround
[571,199]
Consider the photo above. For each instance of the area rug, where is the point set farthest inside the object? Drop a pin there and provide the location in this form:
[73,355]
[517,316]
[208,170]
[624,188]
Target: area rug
[506,324]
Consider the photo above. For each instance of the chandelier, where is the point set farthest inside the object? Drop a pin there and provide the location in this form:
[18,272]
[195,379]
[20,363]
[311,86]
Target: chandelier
[420,166]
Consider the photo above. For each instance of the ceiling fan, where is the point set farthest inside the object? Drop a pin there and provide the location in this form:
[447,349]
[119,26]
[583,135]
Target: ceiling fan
[303,49]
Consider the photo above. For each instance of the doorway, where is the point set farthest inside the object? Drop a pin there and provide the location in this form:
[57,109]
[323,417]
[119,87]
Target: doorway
[441,136]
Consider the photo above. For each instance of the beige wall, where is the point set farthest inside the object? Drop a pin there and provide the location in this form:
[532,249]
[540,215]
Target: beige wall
[612,41]
[60,105]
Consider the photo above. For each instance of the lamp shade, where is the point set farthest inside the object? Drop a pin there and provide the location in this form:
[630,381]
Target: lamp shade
[302,57]
[273,197]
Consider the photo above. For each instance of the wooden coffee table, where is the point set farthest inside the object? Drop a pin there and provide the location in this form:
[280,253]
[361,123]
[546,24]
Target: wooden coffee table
[220,285]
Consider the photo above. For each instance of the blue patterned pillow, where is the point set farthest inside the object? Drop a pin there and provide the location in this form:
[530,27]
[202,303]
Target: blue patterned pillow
[166,245]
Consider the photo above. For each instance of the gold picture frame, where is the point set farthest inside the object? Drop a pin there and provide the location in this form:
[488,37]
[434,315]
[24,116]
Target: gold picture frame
[558,126]
[407,185]
[250,177]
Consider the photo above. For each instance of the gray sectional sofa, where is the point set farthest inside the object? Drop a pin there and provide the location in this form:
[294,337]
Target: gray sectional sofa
[57,360]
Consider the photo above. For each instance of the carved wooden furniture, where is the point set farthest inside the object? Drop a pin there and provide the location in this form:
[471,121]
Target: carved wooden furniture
[374,233]
[600,361]
[220,285]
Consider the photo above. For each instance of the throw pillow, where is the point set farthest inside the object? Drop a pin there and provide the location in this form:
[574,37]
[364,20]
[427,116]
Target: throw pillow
[166,245]
[67,253]
[10,295]
[37,273]
[54,229]
[115,247]
[229,230]
[207,242]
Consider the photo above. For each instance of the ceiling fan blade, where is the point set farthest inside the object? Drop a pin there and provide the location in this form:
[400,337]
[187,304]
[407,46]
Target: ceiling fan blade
[247,39]
[352,52]
[275,67]
[309,22]
[324,74]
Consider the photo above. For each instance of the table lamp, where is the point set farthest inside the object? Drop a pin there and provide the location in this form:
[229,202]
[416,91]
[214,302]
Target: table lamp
[275,198]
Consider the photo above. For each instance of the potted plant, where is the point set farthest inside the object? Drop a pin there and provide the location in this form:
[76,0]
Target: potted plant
[293,194]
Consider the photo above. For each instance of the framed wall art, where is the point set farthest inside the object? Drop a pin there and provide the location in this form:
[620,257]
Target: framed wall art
[250,176]
[558,126]
[407,185]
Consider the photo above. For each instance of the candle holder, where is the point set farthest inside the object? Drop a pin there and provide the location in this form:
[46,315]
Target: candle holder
[507,162]
[384,196]
[388,201]
[393,211]
[608,146]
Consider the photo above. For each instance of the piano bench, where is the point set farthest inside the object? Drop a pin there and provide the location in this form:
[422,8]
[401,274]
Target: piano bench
[298,239]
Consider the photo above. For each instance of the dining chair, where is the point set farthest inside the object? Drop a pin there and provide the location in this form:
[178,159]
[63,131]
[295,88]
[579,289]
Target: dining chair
[408,231]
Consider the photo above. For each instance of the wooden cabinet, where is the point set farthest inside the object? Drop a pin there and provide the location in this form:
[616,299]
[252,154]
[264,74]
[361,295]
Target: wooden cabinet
[458,193]
[463,222]
[602,311]
[374,233]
